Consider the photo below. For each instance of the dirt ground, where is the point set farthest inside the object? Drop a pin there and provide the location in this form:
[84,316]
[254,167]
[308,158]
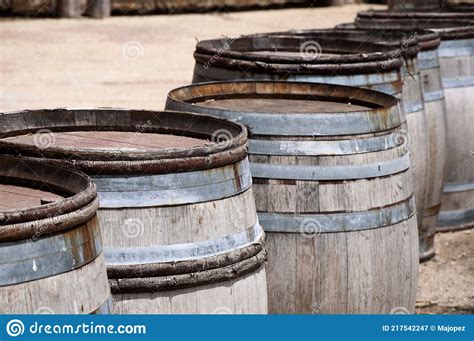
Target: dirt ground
[134,61]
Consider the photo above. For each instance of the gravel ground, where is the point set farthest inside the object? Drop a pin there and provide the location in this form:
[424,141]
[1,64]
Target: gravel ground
[134,61]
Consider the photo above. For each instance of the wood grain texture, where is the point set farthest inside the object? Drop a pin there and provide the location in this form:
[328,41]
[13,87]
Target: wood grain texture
[80,291]
[245,295]
[459,145]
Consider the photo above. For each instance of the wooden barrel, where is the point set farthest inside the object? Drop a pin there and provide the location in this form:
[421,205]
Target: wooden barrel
[176,205]
[50,241]
[456,54]
[332,188]
[435,109]
[328,56]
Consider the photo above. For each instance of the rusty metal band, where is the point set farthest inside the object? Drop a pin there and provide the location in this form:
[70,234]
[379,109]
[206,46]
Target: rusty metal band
[320,148]
[138,256]
[433,96]
[105,308]
[28,260]
[328,173]
[428,59]
[338,222]
[456,48]
[173,189]
[431,211]
[182,281]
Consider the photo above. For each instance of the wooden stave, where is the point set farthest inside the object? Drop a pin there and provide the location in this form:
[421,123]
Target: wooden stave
[276,295]
[84,264]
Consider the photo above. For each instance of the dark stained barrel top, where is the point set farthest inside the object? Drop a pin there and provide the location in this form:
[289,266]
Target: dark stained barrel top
[114,139]
[282,105]
[18,197]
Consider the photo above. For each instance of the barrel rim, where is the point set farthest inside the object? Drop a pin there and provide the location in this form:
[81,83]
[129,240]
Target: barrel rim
[182,94]
[427,39]
[376,57]
[341,32]
[161,161]
[449,25]
[17,223]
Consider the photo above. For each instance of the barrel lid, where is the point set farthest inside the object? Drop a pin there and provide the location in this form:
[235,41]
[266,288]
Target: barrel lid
[120,141]
[259,103]
[283,54]
[52,198]
[448,24]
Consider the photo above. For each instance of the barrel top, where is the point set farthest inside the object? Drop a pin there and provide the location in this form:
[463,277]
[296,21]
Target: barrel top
[290,102]
[106,140]
[120,141]
[14,197]
[282,54]
[448,24]
[38,199]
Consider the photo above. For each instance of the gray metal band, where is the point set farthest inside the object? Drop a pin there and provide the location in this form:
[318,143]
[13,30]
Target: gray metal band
[458,83]
[414,107]
[458,187]
[433,96]
[456,48]
[28,260]
[338,222]
[316,124]
[106,308]
[428,60]
[183,252]
[455,218]
[322,173]
[173,189]
[319,148]
[365,80]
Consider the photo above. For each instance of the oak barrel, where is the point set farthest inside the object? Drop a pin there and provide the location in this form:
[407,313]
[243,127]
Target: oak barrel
[332,188]
[456,55]
[328,56]
[435,109]
[180,227]
[50,243]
